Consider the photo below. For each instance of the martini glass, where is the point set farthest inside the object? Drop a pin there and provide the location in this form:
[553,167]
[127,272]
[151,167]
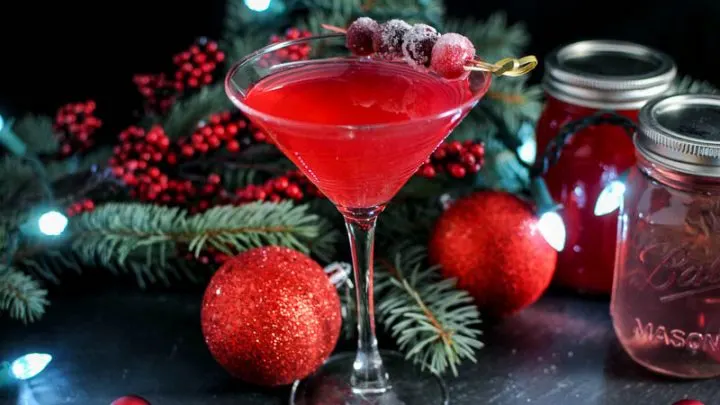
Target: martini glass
[358,128]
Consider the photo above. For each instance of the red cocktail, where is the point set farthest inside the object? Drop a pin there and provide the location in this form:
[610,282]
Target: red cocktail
[358,127]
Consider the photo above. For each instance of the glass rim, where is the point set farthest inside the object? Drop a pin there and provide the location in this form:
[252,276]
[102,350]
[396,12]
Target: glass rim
[231,90]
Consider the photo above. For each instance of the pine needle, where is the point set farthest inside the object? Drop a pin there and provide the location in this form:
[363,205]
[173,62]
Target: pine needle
[687,84]
[433,323]
[21,296]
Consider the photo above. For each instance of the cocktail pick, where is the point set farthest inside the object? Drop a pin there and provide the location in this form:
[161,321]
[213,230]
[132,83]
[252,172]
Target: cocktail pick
[512,67]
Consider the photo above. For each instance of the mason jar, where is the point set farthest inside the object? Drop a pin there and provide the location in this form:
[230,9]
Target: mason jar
[665,301]
[580,80]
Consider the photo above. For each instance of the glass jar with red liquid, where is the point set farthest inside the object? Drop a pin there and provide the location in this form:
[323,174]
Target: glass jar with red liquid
[665,302]
[582,79]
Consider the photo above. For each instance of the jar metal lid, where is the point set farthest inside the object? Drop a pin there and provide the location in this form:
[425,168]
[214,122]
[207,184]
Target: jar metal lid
[682,132]
[607,74]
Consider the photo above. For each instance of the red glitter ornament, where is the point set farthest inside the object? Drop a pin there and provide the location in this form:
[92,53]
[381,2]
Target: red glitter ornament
[688,402]
[270,316]
[130,400]
[489,241]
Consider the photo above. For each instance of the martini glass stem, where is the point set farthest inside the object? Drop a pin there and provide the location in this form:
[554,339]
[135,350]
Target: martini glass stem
[368,375]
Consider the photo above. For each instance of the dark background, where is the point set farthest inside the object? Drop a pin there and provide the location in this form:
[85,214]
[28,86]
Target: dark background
[60,65]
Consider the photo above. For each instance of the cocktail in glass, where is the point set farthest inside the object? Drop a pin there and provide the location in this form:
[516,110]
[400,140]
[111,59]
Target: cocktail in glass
[358,128]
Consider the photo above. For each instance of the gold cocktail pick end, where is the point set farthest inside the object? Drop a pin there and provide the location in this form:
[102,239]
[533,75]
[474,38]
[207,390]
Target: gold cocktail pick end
[505,67]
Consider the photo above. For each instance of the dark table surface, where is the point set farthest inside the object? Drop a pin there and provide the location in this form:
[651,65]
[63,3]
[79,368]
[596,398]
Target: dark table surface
[561,351]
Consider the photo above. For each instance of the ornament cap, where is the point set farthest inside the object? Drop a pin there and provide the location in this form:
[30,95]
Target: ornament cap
[682,132]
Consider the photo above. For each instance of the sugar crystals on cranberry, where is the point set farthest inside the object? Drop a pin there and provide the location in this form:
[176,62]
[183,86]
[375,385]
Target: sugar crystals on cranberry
[450,54]
[359,37]
[388,40]
[418,45]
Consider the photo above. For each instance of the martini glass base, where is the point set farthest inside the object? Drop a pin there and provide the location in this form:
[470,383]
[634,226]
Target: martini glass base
[330,385]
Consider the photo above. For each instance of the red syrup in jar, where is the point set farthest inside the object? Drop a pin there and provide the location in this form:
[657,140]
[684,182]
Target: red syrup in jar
[666,294]
[580,80]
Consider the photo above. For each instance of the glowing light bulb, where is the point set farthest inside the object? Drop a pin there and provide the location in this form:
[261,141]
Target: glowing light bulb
[552,228]
[52,223]
[29,365]
[2,123]
[527,151]
[610,198]
[258,5]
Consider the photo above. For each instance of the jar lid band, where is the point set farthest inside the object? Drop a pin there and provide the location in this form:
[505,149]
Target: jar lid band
[608,74]
[682,132]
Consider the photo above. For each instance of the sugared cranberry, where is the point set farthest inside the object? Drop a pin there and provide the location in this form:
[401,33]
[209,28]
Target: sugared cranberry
[388,40]
[450,54]
[359,37]
[418,45]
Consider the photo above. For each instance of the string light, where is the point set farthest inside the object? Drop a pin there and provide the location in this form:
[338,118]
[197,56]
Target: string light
[550,223]
[611,197]
[25,367]
[528,148]
[258,5]
[52,223]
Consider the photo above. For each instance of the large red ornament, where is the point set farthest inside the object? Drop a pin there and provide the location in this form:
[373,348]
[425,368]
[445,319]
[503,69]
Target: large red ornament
[490,242]
[270,316]
[130,400]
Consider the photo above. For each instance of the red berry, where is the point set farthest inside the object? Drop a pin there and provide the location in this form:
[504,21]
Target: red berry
[457,171]
[89,205]
[428,171]
[214,179]
[450,54]
[154,172]
[388,40]
[360,34]
[478,150]
[418,45]
[468,159]
[281,183]
[233,146]
[454,147]
[188,150]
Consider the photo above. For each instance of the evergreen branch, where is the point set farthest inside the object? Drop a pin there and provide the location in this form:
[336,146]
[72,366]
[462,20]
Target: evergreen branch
[113,232]
[241,46]
[21,296]
[515,103]
[494,39]
[432,321]
[184,116]
[411,221]
[687,84]
[37,133]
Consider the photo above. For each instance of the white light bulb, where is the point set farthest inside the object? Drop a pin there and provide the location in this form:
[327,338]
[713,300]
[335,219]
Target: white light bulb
[610,198]
[258,5]
[29,365]
[52,223]
[552,228]
[2,123]
[527,151]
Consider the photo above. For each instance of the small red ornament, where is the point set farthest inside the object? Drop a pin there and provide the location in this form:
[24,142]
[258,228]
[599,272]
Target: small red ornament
[489,241]
[130,400]
[270,316]
[688,402]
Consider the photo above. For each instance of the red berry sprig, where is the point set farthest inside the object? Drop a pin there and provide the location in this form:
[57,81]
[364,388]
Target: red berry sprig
[291,186]
[290,53]
[197,66]
[456,159]
[157,90]
[137,159]
[76,123]
[77,208]
[226,130]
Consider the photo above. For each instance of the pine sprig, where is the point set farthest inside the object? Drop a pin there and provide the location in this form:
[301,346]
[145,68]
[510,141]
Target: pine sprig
[21,296]
[433,323]
[184,116]
[513,101]
[687,84]
[113,232]
[36,131]
[493,38]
